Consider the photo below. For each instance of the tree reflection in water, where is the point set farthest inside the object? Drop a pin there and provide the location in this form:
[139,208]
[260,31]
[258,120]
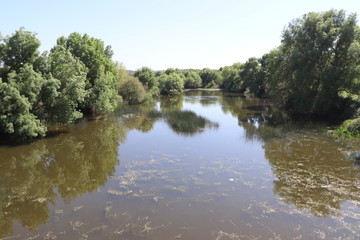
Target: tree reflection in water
[74,163]
[69,165]
[312,173]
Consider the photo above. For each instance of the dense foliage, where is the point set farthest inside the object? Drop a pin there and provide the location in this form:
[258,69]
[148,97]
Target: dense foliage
[132,91]
[315,70]
[318,58]
[77,77]
[210,78]
[171,84]
[149,79]
[101,78]
[349,128]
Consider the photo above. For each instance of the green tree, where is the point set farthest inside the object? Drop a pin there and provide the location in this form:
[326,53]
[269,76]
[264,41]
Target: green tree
[210,78]
[253,73]
[192,79]
[316,60]
[171,84]
[132,91]
[231,77]
[64,91]
[16,118]
[16,51]
[147,77]
[102,76]
[149,80]
[20,86]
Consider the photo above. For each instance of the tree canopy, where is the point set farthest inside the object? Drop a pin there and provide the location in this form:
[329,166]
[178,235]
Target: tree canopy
[102,76]
[318,58]
[77,77]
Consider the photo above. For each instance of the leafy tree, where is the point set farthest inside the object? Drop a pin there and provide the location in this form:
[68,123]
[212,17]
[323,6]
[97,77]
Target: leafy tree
[253,73]
[210,78]
[174,70]
[20,86]
[171,84]
[231,77]
[192,79]
[16,118]
[317,59]
[123,74]
[132,91]
[16,51]
[64,92]
[146,76]
[28,82]
[149,79]
[102,76]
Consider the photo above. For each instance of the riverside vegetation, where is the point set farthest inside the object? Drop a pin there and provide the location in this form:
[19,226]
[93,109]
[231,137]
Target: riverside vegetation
[314,72]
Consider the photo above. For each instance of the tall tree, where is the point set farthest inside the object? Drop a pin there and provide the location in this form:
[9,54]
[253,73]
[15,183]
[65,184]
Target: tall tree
[192,79]
[210,78]
[64,91]
[17,50]
[231,77]
[20,86]
[102,76]
[147,77]
[316,60]
[171,84]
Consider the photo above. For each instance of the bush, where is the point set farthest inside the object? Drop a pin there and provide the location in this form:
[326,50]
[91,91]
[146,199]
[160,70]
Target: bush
[132,91]
[349,128]
[192,80]
[147,77]
[171,84]
[210,78]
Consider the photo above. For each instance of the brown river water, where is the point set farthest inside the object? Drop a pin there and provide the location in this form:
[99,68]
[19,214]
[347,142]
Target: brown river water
[204,165]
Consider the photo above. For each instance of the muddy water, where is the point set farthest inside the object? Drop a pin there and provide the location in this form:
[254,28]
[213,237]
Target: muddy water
[205,165]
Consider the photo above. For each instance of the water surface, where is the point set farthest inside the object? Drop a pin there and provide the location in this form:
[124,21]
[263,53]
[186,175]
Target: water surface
[204,165]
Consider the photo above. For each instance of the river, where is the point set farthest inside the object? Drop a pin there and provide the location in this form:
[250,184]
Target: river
[203,165]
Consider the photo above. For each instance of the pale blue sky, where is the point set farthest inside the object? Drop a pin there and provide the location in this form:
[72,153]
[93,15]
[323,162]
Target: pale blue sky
[166,33]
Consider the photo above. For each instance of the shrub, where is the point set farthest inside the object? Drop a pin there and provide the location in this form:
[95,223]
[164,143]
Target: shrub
[171,84]
[132,91]
[349,128]
[192,80]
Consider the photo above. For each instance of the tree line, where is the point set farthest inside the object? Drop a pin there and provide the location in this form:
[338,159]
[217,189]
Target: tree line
[314,71]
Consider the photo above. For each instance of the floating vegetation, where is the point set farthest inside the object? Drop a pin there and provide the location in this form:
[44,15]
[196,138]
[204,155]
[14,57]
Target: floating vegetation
[230,236]
[140,228]
[184,122]
[119,193]
[77,208]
